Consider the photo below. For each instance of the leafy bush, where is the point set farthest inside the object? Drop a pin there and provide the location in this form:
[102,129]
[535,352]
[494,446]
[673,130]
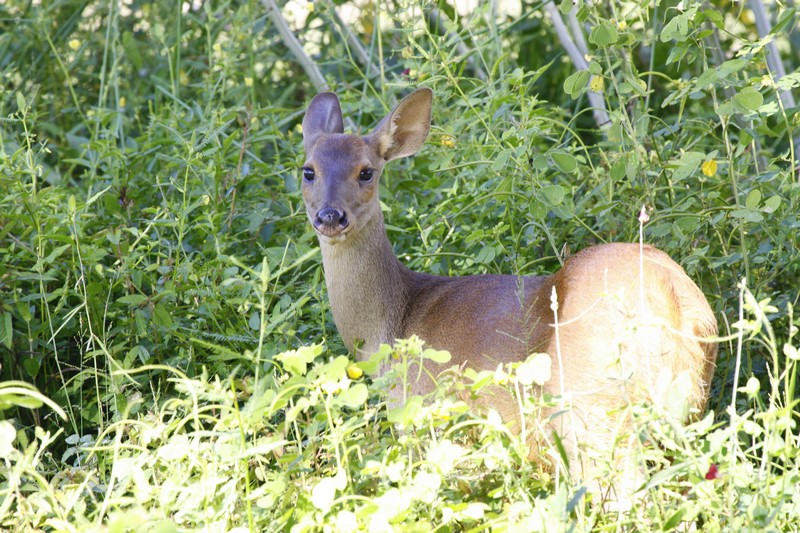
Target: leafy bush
[160,289]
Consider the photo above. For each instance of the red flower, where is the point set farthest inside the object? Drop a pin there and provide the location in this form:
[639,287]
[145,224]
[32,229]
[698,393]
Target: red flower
[713,472]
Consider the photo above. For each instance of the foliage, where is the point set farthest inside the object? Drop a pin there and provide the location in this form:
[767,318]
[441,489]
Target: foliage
[159,287]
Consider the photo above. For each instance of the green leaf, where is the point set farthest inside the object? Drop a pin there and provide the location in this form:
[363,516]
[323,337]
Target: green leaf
[772,204]
[161,317]
[132,50]
[552,195]
[706,78]
[687,164]
[674,520]
[296,361]
[603,35]
[715,17]
[749,99]
[22,105]
[406,414]
[6,330]
[354,397]
[576,82]
[732,66]
[486,255]
[564,161]
[132,299]
[501,160]
[749,215]
[437,356]
[537,209]
[753,199]
[31,366]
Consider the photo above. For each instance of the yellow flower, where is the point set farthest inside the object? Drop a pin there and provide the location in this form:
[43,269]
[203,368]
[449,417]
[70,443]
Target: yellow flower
[709,168]
[622,25]
[122,101]
[354,372]
[448,142]
[248,81]
[183,77]
[597,84]
[74,44]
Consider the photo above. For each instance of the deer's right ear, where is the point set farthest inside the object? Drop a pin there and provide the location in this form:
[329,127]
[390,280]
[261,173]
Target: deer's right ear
[324,115]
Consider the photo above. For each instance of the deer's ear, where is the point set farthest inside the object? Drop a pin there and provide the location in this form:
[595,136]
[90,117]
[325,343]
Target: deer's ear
[324,115]
[403,131]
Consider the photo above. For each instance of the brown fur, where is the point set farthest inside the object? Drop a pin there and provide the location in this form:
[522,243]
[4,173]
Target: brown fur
[620,332]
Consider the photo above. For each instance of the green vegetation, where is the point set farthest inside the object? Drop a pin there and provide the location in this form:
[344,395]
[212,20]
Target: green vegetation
[167,357]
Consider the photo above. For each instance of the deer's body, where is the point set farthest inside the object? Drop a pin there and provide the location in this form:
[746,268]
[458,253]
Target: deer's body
[620,330]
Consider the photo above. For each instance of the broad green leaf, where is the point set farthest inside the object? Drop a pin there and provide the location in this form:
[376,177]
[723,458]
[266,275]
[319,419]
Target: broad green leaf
[687,164]
[750,215]
[706,78]
[22,106]
[552,195]
[749,98]
[715,17]
[537,209]
[437,356]
[576,82]
[406,414]
[772,204]
[732,66]
[486,255]
[296,361]
[31,366]
[354,397]
[161,317]
[753,199]
[502,160]
[604,34]
[132,299]
[564,161]
[254,322]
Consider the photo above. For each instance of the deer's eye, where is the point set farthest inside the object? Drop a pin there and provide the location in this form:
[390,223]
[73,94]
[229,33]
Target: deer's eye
[365,175]
[308,174]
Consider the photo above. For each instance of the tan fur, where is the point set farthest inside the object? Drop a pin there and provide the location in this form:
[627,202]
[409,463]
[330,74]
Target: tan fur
[620,331]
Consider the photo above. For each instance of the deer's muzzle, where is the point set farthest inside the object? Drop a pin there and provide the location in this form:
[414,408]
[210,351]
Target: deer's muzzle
[330,221]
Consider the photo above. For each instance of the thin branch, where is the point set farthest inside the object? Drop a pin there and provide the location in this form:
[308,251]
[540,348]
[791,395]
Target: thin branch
[596,100]
[774,62]
[775,65]
[294,46]
[352,40]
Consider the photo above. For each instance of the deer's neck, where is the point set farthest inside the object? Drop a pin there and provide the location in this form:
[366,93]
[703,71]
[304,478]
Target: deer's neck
[367,286]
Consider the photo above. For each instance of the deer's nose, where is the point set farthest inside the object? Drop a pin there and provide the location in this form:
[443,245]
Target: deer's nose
[331,218]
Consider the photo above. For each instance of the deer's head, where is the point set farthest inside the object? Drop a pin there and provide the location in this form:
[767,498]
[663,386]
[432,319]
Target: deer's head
[341,172]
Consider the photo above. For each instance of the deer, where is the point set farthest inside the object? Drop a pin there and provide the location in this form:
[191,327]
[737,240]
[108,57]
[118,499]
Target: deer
[628,316]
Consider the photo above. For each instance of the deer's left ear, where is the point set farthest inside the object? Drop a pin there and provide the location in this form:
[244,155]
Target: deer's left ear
[324,115]
[403,131]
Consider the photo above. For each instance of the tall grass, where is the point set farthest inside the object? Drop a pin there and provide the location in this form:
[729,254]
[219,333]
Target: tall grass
[167,358]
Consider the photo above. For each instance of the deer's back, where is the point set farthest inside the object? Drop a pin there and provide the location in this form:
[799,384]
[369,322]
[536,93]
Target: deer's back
[610,334]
